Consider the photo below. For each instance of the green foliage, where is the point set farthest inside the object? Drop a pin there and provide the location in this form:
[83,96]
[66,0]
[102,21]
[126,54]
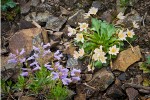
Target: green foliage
[7,4]
[40,81]
[98,64]
[148,60]
[6,86]
[101,34]
[124,3]
[9,9]
[145,66]
[146,82]
[20,85]
[58,92]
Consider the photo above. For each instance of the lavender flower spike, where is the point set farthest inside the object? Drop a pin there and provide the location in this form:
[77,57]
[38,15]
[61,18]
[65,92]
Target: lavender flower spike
[24,74]
[36,68]
[46,52]
[22,60]
[48,67]
[30,58]
[22,52]
[58,55]
[75,72]
[66,81]
[46,45]
[36,48]
[55,75]
[34,63]
[12,61]
[11,55]
[75,79]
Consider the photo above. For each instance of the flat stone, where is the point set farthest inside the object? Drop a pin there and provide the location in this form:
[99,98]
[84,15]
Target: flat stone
[85,89]
[38,17]
[101,79]
[23,39]
[25,8]
[55,23]
[115,92]
[132,93]
[23,24]
[122,77]
[126,58]
[78,17]
[56,36]
[107,16]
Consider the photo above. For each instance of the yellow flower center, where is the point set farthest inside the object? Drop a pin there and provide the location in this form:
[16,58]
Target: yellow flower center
[113,50]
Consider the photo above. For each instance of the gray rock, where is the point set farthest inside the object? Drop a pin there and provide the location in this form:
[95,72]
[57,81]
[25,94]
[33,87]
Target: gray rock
[7,71]
[55,23]
[132,93]
[115,92]
[72,63]
[78,17]
[43,7]
[85,89]
[98,4]
[35,2]
[122,77]
[102,79]
[25,8]
[70,2]
[38,17]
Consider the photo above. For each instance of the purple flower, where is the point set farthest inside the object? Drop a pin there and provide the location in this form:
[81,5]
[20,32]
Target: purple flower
[64,73]
[11,55]
[24,74]
[48,67]
[55,75]
[17,52]
[35,55]
[22,52]
[36,48]
[34,63]
[12,61]
[22,60]
[36,68]
[58,55]
[46,45]
[58,66]
[75,72]
[75,79]
[64,70]
[24,69]
[66,81]
[46,52]
[30,58]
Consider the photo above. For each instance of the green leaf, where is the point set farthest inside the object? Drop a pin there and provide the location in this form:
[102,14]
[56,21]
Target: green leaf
[96,25]
[88,46]
[148,60]
[11,4]
[146,82]
[98,64]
